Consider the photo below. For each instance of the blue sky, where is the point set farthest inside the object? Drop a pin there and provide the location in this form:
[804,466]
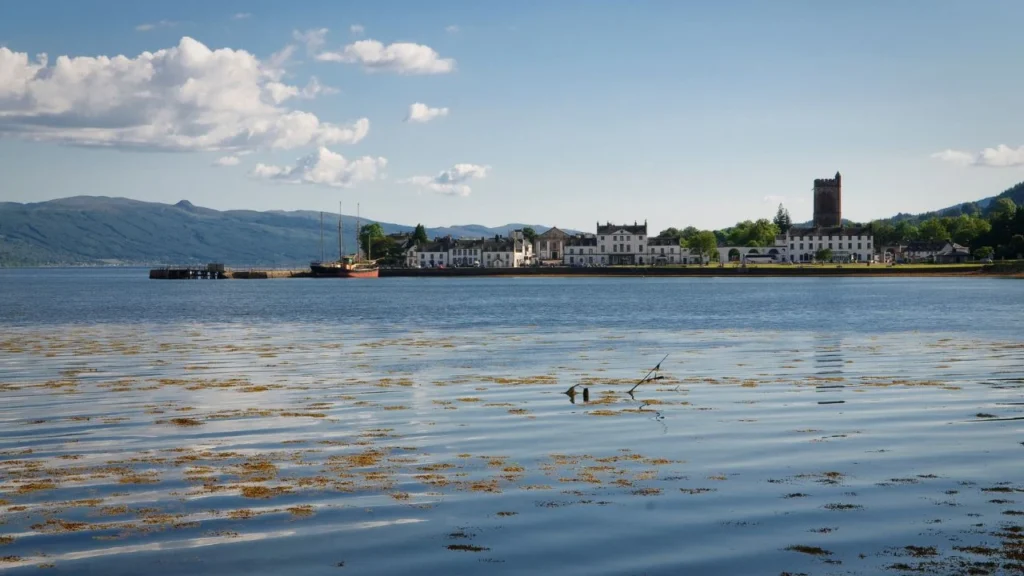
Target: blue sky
[558,113]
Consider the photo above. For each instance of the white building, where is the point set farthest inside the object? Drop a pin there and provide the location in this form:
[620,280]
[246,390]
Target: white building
[497,252]
[662,251]
[429,254]
[583,251]
[550,245]
[622,245]
[847,243]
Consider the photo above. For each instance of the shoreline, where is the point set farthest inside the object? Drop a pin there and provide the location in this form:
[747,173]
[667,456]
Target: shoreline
[1003,270]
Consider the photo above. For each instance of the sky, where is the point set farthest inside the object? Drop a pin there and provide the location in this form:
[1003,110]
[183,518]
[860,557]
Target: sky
[680,113]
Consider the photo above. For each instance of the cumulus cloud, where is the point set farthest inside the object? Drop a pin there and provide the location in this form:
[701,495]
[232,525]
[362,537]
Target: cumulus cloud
[185,98]
[420,112]
[150,26]
[1002,156]
[325,168]
[226,161]
[400,58]
[451,182]
[356,29]
[241,16]
[451,29]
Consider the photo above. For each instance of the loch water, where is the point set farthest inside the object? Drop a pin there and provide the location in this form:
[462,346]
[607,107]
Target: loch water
[421,426]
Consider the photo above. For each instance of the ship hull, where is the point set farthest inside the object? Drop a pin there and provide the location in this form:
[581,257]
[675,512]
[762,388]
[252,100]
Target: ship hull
[321,271]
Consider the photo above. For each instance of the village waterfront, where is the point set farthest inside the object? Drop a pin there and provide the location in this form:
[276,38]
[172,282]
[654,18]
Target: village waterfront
[420,425]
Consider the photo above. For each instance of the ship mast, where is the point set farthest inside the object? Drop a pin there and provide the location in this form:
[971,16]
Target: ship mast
[359,235]
[321,236]
[341,245]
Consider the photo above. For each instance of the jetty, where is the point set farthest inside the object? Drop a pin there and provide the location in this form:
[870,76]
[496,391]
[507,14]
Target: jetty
[219,272]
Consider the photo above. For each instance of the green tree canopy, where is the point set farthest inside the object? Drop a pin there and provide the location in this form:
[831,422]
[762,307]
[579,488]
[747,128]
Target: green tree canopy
[932,231]
[1002,209]
[530,234]
[823,255]
[782,220]
[670,233]
[984,252]
[689,232]
[419,236]
[369,233]
[703,243]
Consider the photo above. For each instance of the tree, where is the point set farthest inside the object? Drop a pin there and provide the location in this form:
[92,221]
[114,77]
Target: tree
[1002,209]
[703,243]
[1016,246]
[368,233]
[906,231]
[670,233]
[782,220]
[530,234]
[688,232]
[419,236]
[932,230]
[984,252]
[884,233]
[823,255]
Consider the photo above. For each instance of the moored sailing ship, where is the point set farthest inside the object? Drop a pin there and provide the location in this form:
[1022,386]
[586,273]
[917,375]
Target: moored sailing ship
[344,266]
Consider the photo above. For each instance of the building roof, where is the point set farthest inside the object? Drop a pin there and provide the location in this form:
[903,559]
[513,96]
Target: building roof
[829,231]
[552,233]
[609,228]
[581,241]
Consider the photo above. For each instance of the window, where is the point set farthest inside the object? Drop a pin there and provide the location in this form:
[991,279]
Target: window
[615,247]
[829,244]
[602,237]
[849,245]
[801,245]
[791,246]
[602,248]
[571,260]
[628,249]
[858,245]
[590,259]
[663,250]
[590,251]
[641,237]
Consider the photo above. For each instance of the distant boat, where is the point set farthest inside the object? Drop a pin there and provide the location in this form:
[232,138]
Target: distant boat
[344,266]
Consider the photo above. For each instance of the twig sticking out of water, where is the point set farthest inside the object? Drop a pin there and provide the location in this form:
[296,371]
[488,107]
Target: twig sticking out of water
[648,377]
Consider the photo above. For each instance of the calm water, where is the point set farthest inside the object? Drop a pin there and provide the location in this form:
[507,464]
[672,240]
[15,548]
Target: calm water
[404,426]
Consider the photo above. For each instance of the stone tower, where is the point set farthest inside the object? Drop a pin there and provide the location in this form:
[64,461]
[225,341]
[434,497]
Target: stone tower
[828,201]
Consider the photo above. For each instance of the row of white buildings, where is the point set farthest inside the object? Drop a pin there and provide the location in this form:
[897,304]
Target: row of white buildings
[631,245]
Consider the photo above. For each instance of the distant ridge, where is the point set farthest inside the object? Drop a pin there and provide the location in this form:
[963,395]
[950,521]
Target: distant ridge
[103,230]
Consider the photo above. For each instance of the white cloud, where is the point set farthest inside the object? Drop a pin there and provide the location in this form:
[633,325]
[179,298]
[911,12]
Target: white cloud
[241,16]
[161,24]
[186,98]
[451,29]
[420,112]
[326,168]
[1002,156]
[226,161]
[451,182]
[313,39]
[400,57]
[356,29]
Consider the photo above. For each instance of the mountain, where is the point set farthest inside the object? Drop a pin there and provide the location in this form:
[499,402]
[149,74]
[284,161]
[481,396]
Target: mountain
[1015,193]
[102,230]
